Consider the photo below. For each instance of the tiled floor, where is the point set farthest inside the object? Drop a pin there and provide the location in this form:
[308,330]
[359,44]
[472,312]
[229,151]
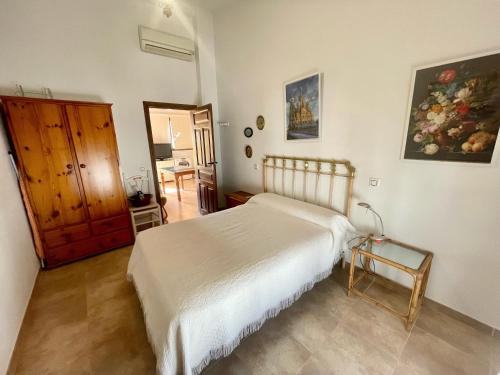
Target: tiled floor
[187,208]
[85,318]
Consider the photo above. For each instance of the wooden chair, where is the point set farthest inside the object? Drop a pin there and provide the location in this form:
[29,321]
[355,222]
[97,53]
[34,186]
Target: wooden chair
[163,203]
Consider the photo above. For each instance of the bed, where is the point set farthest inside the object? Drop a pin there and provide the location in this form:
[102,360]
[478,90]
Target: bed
[223,275]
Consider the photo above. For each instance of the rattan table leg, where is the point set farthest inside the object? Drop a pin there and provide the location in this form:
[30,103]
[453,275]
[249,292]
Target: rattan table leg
[415,302]
[351,271]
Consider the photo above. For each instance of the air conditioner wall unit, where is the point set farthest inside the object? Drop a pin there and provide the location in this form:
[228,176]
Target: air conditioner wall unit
[165,44]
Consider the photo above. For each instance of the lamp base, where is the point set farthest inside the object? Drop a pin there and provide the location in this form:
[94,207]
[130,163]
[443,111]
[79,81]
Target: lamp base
[378,238]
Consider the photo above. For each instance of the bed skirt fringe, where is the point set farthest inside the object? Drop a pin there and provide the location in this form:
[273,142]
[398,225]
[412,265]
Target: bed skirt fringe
[226,350]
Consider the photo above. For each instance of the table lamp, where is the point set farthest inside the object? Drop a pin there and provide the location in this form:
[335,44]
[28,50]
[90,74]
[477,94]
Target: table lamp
[380,237]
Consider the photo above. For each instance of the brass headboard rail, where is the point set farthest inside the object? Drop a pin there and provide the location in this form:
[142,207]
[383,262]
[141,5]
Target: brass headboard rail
[309,168]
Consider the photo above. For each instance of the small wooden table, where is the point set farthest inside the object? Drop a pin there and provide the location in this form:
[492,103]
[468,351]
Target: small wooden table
[178,173]
[237,198]
[416,262]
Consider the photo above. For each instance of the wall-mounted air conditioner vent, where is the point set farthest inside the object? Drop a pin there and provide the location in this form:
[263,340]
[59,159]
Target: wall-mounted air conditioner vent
[165,44]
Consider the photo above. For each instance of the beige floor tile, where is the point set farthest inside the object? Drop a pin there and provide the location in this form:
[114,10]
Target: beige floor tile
[56,285]
[468,337]
[495,354]
[380,327]
[326,296]
[349,353]
[187,208]
[109,317]
[118,339]
[253,353]
[278,355]
[341,276]
[426,354]
[111,263]
[126,352]
[60,350]
[276,327]
[402,369]
[312,328]
[231,365]
[70,308]
[394,296]
[109,287]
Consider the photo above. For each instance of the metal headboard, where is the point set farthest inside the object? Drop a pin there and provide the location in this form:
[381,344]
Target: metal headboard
[309,171]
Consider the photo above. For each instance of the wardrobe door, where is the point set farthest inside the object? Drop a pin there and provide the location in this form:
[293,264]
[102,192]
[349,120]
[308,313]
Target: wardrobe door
[43,148]
[95,145]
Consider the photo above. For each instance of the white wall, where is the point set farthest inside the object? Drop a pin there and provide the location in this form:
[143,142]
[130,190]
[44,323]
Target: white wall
[18,263]
[366,50]
[208,85]
[87,50]
[90,49]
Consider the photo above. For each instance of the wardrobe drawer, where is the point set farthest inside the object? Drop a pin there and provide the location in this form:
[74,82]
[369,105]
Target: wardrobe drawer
[85,248]
[116,239]
[66,253]
[66,235]
[110,225]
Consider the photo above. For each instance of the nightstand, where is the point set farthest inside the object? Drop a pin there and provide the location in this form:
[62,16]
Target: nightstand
[145,217]
[409,259]
[237,198]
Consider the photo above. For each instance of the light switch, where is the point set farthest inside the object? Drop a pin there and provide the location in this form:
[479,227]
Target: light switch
[374,182]
[256,166]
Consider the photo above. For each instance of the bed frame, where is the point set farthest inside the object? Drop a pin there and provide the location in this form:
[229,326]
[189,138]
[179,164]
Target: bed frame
[308,178]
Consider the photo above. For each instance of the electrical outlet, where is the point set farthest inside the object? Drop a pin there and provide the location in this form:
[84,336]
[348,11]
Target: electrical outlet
[374,182]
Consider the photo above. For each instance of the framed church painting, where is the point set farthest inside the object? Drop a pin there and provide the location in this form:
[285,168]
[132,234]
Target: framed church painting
[303,108]
[454,110]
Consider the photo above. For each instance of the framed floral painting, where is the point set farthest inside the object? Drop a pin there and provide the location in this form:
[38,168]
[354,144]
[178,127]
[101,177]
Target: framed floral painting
[454,111]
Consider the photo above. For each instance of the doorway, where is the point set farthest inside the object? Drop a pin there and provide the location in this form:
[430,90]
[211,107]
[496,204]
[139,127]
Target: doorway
[182,153]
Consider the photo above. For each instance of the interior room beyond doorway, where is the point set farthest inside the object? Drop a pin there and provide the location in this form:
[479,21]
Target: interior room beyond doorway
[173,150]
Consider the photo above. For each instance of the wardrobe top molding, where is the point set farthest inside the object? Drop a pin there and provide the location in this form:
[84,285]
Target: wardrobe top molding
[54,101]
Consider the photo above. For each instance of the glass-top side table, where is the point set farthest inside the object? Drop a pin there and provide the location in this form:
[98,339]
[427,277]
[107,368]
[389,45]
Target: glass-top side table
[414,261]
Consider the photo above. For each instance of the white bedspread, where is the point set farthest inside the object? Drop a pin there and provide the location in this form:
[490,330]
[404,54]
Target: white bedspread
[206,283]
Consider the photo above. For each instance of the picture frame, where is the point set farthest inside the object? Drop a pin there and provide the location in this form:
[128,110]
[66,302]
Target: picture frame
[260,122]
[303,108]
[453,112]
[248,132]
[248,151]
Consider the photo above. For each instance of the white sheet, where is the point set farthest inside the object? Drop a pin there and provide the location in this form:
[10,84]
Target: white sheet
[206,283]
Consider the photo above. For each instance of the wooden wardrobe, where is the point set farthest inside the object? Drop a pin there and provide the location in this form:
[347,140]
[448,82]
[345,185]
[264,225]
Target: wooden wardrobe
[67,161]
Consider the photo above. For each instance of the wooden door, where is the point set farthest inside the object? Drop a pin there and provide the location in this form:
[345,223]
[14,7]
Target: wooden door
[205,163]
[46,163]
[93,136]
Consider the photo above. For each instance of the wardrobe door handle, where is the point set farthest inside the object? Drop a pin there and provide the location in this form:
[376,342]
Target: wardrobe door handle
[69,166]
[82,165]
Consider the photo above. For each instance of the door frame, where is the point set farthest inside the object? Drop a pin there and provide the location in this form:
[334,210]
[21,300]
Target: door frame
[151,105]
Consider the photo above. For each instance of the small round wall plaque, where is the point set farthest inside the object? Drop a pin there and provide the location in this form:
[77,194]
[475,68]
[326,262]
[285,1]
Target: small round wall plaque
[248,132]
[260,122]
[248,151]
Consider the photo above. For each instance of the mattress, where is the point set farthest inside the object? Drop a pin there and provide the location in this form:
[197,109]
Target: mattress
[206,283]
